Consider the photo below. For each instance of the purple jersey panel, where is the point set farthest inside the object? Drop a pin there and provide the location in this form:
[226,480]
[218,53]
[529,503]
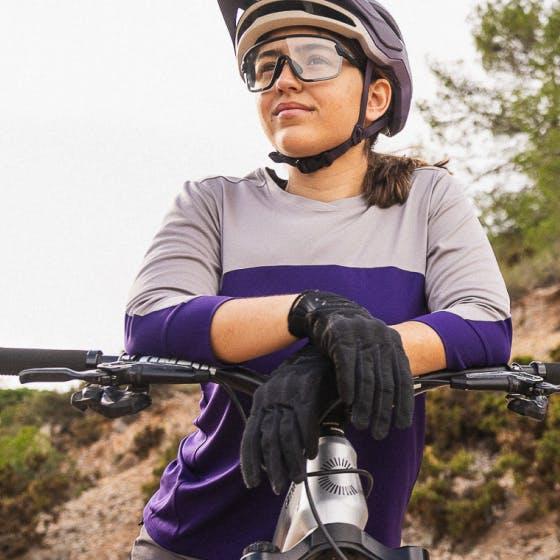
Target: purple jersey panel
[471,343]
[175,331]
[203,487]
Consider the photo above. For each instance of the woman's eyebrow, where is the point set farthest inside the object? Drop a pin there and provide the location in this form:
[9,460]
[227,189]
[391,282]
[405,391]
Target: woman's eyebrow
[309,46]
[269,53]
[305,47]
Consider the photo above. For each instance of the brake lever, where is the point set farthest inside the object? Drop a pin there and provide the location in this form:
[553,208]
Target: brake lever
[61,374]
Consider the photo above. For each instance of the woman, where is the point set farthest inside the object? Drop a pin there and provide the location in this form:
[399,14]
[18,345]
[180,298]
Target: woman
[359,268]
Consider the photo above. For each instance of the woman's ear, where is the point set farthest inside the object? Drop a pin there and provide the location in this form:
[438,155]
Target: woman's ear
[379,99]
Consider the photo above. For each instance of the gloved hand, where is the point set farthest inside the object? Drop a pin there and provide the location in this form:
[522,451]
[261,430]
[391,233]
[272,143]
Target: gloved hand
[372,369]
[283,428]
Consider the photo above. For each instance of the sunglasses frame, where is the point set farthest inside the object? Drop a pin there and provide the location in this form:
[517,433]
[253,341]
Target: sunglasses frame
[285,58]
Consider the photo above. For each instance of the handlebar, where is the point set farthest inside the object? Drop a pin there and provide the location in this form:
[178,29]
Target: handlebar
[47,365]
[527,386]
[14,360]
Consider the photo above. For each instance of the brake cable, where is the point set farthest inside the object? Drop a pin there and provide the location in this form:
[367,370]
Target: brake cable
[321,472]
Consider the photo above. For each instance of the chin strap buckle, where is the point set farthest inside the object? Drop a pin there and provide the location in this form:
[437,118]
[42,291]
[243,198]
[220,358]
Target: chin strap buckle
[305,164]
[314,163]
[358,135]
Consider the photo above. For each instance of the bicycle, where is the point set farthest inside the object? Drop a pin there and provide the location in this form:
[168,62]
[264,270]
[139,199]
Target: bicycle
[323,517]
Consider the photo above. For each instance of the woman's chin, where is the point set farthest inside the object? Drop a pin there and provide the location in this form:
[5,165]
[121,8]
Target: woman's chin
[298,147]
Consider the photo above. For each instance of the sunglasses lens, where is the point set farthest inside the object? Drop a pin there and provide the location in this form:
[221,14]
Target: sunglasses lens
[312,58]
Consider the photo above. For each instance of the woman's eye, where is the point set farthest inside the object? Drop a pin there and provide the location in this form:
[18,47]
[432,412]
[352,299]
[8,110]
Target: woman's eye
[317,60]
[264,68]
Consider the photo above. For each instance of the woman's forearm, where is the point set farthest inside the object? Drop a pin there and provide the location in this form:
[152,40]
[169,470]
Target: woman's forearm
[243,329]
[423,347]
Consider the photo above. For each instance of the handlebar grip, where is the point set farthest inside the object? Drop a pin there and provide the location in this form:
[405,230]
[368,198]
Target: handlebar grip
[552,373]
[14,360]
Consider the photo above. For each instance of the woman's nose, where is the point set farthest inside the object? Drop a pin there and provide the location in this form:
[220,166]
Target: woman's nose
[287,78]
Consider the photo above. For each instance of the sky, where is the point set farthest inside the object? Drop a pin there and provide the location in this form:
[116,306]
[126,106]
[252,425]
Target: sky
[106,108]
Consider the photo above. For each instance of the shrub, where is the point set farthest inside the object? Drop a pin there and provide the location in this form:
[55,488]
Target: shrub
[453,510]
[147,439]
[35,474]
[555,354]
[451,497]
[461,418]
[522,359]
[34,477]
[168,454]
[39,408]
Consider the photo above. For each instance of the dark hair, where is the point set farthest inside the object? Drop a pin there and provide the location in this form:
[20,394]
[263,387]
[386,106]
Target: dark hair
[388,178]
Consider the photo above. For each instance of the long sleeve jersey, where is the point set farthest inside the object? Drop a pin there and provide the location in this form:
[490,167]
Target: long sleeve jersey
[426,260]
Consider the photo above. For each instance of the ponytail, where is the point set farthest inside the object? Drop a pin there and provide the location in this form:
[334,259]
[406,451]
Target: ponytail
[388,178]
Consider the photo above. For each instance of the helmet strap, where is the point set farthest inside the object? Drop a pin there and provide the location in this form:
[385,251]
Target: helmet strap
[324,159]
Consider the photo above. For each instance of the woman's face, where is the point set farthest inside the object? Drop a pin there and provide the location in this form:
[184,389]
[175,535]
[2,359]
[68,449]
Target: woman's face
[334,107]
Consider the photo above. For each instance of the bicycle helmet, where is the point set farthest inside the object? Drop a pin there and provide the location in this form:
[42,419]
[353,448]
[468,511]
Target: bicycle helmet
[365,21]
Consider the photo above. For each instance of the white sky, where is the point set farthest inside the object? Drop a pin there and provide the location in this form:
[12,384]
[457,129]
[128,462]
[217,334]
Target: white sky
[106,107]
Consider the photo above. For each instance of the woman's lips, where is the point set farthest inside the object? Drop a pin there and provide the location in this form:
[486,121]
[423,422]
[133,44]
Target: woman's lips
[290,110]
[290,113]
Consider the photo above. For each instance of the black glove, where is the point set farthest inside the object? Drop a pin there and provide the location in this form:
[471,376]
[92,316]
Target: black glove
[283,428]
[372,369]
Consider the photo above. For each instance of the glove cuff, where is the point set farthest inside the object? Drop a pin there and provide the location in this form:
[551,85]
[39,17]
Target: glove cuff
[306,302]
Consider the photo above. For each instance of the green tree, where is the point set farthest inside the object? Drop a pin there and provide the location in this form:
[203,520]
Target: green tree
[513,110]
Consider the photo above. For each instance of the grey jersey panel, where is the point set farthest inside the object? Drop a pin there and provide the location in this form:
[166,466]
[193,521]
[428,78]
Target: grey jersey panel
[294,230]
[220,224]
[462,274]
[184,258]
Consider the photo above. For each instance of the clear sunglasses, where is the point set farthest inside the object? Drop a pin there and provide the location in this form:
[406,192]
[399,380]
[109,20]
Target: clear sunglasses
[311,59]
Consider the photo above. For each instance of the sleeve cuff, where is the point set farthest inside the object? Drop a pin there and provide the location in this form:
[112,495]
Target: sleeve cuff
[470,343]
[188,329]
[181,331]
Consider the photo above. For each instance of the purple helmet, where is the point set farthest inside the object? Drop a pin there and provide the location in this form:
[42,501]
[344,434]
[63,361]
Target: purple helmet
[365,21]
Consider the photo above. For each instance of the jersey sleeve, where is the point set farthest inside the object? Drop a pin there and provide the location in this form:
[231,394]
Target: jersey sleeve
[466,295]
[174,296]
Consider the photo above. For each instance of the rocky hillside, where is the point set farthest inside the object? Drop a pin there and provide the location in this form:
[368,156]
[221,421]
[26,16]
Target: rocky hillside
[102,522]
[515,536]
